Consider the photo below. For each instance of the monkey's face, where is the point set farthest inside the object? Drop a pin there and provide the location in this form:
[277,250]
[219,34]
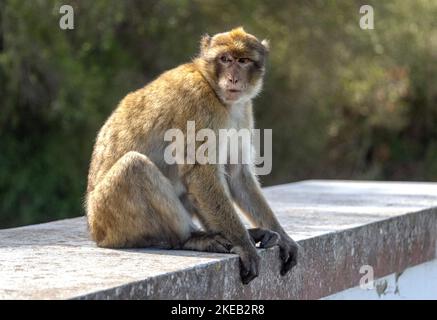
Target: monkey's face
[235,75]
[235,63]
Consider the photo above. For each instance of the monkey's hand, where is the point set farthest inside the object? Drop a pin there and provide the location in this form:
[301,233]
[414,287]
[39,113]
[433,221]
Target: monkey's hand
[249,262]
[288,250]
[266,238]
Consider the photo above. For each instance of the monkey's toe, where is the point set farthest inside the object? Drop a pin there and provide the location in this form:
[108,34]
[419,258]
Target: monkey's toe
[217,243]
[223,242]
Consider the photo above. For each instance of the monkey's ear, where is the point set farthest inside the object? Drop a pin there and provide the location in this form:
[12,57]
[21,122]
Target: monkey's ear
[205,41]
[266,44]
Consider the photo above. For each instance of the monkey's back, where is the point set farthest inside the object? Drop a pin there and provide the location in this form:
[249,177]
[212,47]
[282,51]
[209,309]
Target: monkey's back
[143,116]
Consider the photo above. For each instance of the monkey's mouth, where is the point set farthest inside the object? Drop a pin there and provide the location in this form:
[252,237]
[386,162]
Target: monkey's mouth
[232,94]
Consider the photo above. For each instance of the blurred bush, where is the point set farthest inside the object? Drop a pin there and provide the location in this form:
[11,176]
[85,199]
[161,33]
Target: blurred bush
[342,102]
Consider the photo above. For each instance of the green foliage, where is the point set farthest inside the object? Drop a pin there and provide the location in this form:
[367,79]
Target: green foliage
[342,102]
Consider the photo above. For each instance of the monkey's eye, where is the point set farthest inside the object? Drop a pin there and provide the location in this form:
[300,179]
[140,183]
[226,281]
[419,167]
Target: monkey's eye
[243,60]
[224,59]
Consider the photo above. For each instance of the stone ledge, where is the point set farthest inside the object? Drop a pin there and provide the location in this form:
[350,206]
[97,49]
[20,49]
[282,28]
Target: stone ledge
[341,226]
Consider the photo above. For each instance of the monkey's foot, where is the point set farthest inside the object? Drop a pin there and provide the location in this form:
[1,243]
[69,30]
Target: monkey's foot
[265,237]
[210,242]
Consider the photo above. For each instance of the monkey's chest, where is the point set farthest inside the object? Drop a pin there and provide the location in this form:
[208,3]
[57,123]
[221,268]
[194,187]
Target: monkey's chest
[235,141]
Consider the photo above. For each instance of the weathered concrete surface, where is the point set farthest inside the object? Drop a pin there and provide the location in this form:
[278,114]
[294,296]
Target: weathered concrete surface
[415,283]
[340,225]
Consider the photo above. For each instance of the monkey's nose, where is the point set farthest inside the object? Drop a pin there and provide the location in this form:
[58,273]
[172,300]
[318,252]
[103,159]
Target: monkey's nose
[233,80]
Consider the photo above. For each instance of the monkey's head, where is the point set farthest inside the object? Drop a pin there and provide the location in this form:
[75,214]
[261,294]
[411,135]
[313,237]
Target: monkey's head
[233,62]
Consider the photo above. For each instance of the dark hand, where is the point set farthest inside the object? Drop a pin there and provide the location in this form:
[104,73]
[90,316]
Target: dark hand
[288,250]
[249,262]
[265,237]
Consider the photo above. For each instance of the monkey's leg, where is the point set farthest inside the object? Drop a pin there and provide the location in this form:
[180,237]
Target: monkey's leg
[135,205]
[266,238]
[207,185]
[203,240]
[248,195]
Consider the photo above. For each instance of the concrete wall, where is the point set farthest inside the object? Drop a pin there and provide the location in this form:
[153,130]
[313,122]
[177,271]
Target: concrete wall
[418,282]
[340,225]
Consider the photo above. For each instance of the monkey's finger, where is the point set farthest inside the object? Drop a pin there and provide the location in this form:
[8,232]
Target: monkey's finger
[248,265]
[283,254]
[248,277]
[269,240]
[288,264]
[249,274]
[244,271]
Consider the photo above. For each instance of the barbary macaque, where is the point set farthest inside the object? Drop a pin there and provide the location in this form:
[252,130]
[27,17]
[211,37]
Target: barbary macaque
[136,199]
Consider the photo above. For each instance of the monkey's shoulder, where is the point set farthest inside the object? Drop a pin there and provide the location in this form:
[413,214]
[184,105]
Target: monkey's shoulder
[187,81]
[180,90]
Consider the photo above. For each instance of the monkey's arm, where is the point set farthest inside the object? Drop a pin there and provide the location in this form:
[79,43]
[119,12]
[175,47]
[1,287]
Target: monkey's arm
[216,212]
[248,196]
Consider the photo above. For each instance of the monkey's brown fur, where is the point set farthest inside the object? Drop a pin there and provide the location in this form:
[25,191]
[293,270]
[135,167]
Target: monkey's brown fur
[135,199]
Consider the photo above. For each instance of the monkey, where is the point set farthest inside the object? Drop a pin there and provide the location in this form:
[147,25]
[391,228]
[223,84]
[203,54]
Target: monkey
[134,198]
